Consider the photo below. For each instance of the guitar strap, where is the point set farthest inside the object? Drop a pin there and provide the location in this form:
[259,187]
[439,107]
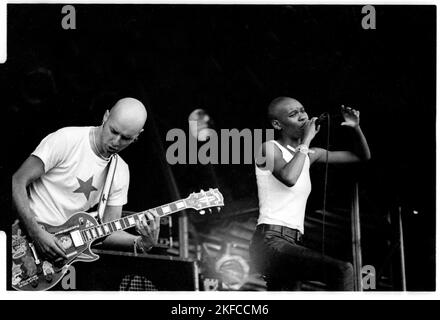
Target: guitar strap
[105,191]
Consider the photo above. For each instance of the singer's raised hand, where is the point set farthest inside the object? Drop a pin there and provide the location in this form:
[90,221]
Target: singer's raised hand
[351,117]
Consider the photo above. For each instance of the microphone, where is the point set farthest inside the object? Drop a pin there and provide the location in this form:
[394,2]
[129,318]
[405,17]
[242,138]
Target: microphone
[321,118]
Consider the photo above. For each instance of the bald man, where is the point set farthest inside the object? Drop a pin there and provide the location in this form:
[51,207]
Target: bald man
[66,174]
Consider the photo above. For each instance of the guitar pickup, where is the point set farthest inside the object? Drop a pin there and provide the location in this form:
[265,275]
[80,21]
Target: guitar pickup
[76,237]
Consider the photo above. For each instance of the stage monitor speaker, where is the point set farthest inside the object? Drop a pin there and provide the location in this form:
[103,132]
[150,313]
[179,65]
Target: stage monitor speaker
[122,271]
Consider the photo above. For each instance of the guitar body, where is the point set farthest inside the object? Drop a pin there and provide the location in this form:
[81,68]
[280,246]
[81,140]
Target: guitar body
[31,272]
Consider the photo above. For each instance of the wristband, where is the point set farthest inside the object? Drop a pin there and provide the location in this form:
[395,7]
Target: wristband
[135,246]
[304,149]
[140,246]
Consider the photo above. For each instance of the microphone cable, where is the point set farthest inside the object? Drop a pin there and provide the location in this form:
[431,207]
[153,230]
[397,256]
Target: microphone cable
[325,184]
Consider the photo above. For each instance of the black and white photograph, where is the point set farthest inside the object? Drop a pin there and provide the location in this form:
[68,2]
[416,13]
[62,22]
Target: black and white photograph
[221,147]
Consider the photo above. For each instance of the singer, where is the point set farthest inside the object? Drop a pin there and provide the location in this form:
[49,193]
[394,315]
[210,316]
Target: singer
[284,185]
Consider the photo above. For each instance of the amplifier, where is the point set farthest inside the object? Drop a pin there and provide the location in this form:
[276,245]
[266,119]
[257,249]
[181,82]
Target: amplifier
[124,271]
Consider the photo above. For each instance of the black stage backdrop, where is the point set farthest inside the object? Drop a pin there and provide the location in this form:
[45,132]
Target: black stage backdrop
[232,60]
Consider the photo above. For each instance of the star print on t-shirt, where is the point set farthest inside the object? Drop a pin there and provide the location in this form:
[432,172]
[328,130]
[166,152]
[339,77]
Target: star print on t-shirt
[85,187]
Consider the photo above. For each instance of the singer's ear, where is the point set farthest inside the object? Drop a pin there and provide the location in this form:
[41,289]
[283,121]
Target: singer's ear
[276,124]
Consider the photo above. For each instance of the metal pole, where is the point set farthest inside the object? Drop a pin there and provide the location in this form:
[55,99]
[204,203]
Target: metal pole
[356,240]
[196,275]
[402,251]
[183,236]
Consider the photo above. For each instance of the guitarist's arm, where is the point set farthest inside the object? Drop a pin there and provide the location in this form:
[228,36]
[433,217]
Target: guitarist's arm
[30,170]
[121,240]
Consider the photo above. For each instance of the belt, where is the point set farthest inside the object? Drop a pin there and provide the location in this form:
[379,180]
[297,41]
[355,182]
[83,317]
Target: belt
[284,231]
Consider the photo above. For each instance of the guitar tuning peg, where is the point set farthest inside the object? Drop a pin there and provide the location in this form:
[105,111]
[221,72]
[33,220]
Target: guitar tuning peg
[202,212]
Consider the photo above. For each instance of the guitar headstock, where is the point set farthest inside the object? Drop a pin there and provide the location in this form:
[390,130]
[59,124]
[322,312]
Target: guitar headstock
[205,200]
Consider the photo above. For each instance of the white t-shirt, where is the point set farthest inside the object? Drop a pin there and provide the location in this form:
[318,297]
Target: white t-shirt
[74,177]
[280,204]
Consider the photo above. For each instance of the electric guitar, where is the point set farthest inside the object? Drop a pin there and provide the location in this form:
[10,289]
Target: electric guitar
[33,273]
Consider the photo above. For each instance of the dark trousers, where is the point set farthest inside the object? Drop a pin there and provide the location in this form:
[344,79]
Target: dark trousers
[279,256]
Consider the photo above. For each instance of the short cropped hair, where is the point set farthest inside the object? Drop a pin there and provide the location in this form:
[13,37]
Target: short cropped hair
[271,110]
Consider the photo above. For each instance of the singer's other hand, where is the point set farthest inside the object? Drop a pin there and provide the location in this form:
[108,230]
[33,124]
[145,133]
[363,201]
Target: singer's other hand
[351,117]
[310,130]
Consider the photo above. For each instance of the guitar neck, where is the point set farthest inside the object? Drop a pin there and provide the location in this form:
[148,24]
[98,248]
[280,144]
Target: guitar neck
[96,232]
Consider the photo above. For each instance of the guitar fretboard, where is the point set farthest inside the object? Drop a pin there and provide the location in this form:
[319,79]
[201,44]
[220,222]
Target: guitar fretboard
[95,232]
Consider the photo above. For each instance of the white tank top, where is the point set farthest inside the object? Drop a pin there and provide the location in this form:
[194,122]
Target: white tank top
[280,204]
